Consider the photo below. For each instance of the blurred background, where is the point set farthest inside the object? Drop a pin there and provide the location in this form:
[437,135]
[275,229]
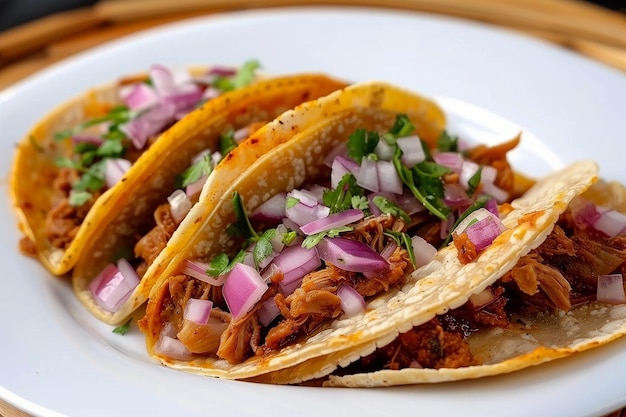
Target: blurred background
[16,12]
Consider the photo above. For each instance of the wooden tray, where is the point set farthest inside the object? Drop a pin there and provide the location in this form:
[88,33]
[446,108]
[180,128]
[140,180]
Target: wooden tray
[587,29]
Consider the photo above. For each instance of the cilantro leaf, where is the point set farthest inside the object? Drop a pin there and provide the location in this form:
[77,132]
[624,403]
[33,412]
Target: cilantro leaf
[447,143]
[92,179]
[123,328]
[362,143]
[479,203]
[111,148]
[203,166]
[242,224]
[474,182]
[403,240]
[312,240]
[218,265]
[360,202]
[62,162]
[291,202]
[340,198]
[289,237]
[263,247]
[389,207]
[78,198]
[245,74]
[227,142]
[402,126]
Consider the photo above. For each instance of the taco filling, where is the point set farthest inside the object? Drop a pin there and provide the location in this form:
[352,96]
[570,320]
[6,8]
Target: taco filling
[100,150]
[579,267]
[384,206]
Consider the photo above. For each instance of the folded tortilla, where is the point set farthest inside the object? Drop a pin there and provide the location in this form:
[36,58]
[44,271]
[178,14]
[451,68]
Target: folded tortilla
[137,207]
[373,106]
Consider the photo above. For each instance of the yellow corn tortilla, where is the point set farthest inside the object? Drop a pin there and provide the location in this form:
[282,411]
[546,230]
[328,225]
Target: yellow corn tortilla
[330,120]
[129,206]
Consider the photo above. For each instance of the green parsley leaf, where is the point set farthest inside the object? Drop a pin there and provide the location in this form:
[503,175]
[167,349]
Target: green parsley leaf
[312,240]
[78,198]
[263,247]
[218,265]
[402,126]
[447,143]
[403,240]
[389,207]
[123,328]
[360,202]
[85,147]
[203,166]
[291,202]
[362,143]
[473,182]
[227,142]
[340,198]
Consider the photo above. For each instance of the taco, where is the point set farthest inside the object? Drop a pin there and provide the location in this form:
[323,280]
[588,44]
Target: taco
[192,161]
[336,218]
[80,151]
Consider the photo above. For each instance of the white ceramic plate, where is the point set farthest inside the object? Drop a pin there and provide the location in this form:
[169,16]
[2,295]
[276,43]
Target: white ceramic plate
[55,359]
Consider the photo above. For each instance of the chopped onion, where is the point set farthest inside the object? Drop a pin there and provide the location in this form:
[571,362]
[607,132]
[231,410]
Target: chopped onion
[452,160]
[492,206]
[162,79]
[388,178]
[455,195]
[389,250]
[611,223]
[350,255]
[243,288]
[384,151]
[307,209]
[271,273]
[412,150]
[368,175]
[295,262]
[85,138]
[409,203]
[268,312]
[481,299]
[184,100]
[179,205]
[494,191]
[241,134]
[483,232]
[305,197]
[335,220]
[424,252]
[222,71]
[195,187]
[352,303]
[198,270]
[198,311]
[140,96]
[472,218]
[611,289]
[340,167]
[172,348]
[318,191]
[339,150]
[114,170]
[114,285]
[271,210]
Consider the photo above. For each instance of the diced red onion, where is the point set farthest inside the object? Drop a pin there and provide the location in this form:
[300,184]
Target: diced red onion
[268,312]
[368,175]
[198,311]
[350,255]
[423,251]
[611,289]
[305,197]
[481,299]
[492,206]
[455,195]
[291,225]
[468,170]
[483,232]
[452,160]
[388,178]
[211,93]
[389,250]
[162,79]
[241,134]
[473,217]
[295,262]
[446,226]
[611,223]
[340,167]
[197,269]
[302,214]
[248,259]
[195,187]
[114,170]
[172,348]
[270,272]
[272,209]
[243,288]
[352,303]
[318,191]
[222,71]
[184,99]
[384,151]
[412,150]
[277,242]
[409,203]
[584,212]
[140,96]
[114,285]
[335,220]
[179,205]
[339,150]
[85,138]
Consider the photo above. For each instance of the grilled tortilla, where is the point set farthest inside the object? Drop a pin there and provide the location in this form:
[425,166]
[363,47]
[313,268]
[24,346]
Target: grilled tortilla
[177,343]
[135,221]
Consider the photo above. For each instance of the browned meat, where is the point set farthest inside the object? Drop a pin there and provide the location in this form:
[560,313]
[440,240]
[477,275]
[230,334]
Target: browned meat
[495,156]
[399,267]
[239,338]
[465,247]
[27,247]
[150,245]
[63,221]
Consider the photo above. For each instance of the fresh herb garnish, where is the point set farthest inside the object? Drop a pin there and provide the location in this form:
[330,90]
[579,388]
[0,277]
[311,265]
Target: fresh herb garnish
[474,182]
[291,202]
[387,206]
[218,265]
[403,240]
[480,202]
[227,142]
[78,198]
[402,126]
[340,199]
[360,202]
[242,223]
[447,143]
[243,77]
[36,146]
[361,143]
[123,328]
[263,247]
[312,240]
[203,166]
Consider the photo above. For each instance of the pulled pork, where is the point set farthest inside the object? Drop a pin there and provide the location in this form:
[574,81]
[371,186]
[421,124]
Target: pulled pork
[152,243]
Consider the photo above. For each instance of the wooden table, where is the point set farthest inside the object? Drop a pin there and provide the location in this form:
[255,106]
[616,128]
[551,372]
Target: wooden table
[589,30]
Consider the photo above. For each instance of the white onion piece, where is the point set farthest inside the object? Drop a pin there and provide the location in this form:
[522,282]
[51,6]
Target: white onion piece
[350,255]
[295,262]
[611,223]
[172,348]
[241,134]
[211,93]
[352,303]
[272,209]
[114,170]
[197,269]
[332,221]
[452,160]
[268,312]
[368,175]
[424,252]
[302,214]
[384,151]
[339,150]
[114,285]
[198,311]
[340,167]
[481,299]
[611,289]
[494,191]
[179,205]
[243,288]
[304,197]
[388,178]
[318,191]
[412,150]
[195,187]
[470,168]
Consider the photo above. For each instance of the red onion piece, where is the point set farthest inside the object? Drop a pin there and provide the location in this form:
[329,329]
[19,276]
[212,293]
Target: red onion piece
[468,170]
[243,288]
[455,196]
[272,209]
[305,197]
[114,170]
[179,205]
[341,166]
[452,160]
[172,348]
[195,187]
[492,206]
[483,232]
[140,96]
[368,175]
[295,262]
[114,285]
[388,178]
[268,312]
[389,250]
[339,150]
[473,217]
[307,209]
[222,71]
[611,223]
[318,191]
[162,79]
[86,138]
[423,251]
[197,269]
[412,150]
[184,99]
[198,311]
[350,255]
[352,303]
[409,203]
[611,289]
[334,220]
